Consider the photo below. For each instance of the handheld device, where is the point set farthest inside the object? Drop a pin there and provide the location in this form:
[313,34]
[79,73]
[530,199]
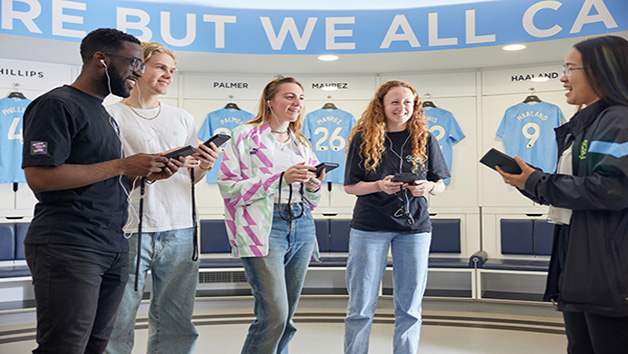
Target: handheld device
[406,177]
[328,166]
[217,139]
[506,163]
[184,151]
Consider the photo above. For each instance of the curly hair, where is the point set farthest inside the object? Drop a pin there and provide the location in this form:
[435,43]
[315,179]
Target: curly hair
[263,116]
[372,125]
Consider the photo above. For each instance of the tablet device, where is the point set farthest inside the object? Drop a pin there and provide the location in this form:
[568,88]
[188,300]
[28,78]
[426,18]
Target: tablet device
[184,151]
[506,163]
[218,139]
[406,177]
[327,165]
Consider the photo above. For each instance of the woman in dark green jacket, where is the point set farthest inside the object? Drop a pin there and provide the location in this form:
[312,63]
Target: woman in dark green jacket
[588,198]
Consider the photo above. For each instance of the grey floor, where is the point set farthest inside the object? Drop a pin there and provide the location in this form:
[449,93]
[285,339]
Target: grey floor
[449,326]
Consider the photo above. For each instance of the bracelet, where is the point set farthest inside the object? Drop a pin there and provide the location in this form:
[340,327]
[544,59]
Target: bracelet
[313,190]
[206,169]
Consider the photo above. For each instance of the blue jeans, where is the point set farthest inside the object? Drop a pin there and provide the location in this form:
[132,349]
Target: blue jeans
[77,292]
[277,279]
[368,252]
[168,255]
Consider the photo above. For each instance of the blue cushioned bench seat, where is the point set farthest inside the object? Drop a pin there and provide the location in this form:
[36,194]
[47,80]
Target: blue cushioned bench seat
[226,262]
[480,258]
[447,262]
[516,265]
[330,261]
[14,271]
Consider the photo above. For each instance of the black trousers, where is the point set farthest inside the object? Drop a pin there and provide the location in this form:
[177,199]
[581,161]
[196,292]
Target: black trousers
[77,294]
[589,333]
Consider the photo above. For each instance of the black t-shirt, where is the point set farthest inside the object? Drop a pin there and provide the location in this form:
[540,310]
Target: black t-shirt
[375,211]
[69,126]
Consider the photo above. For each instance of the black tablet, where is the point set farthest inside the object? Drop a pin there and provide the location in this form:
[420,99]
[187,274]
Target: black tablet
[495,157]
[406,177]
[328,166]
[184,151]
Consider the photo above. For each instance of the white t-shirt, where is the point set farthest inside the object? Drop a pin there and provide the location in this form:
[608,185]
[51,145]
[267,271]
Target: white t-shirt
[168,202]
[286,155]
[562,216]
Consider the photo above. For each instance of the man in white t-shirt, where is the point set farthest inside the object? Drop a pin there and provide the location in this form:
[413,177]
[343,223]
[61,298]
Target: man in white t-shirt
[168,249]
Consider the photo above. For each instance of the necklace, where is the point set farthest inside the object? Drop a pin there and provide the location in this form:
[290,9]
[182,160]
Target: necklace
[141,116]
[279,131]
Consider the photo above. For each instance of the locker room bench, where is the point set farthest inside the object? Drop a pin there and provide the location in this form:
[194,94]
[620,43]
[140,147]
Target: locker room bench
[520,272]
[12,261]
[333,242]
[16,290]
[451,273]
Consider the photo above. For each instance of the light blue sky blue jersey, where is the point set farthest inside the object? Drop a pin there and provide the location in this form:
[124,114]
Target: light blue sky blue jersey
[328,129]
[221,122]
[11,141]
[446,129]
[528,131]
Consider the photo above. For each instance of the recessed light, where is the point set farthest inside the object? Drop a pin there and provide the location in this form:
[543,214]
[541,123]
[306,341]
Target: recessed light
[513,47]
[540,79]
[329,88]
[328,57]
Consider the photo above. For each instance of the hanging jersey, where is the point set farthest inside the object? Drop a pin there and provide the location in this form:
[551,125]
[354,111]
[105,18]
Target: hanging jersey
[221,121]
[446,130]
[11,142]
[327,130]
[528,131]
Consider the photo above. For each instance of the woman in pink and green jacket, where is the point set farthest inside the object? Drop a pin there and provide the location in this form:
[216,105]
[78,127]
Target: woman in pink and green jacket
[269,188]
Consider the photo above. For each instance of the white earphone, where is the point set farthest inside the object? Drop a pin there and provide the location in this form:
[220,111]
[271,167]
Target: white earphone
[103,63]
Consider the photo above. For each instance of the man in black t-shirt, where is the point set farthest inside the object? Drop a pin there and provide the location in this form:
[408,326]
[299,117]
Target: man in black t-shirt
[72,159]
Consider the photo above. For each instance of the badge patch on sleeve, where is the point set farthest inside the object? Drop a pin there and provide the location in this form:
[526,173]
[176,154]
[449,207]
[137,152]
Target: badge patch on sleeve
[39,148]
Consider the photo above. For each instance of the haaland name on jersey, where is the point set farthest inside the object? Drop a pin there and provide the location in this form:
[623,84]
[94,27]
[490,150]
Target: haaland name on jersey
[528,114]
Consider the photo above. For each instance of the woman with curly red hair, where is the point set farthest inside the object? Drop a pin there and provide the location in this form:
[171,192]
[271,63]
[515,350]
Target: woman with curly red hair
[391,137]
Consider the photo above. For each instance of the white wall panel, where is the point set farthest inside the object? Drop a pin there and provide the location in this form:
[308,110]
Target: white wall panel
[499,92]
[221,86]
[438,85]
[518,79]
[349,87]
[461,190]
[7,197]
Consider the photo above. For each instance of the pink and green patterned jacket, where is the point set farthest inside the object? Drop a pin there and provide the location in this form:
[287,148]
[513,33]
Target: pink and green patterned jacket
[248,186]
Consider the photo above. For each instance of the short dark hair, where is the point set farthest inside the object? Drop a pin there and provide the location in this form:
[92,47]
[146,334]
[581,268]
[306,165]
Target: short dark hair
[605,62]
[104,39]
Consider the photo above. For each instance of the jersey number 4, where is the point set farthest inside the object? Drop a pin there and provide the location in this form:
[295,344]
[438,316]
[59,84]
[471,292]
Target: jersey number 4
[13,133]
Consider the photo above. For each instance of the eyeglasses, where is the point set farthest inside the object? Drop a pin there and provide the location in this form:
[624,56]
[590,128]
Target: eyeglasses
[568,71]
[136,64]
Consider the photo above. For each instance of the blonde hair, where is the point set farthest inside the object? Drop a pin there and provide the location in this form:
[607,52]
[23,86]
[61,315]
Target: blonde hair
[150,48]
[264,114]
[372,125]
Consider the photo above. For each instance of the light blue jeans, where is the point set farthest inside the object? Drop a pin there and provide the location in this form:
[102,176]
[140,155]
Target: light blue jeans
[168,255]
[277,279]
[368,252]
